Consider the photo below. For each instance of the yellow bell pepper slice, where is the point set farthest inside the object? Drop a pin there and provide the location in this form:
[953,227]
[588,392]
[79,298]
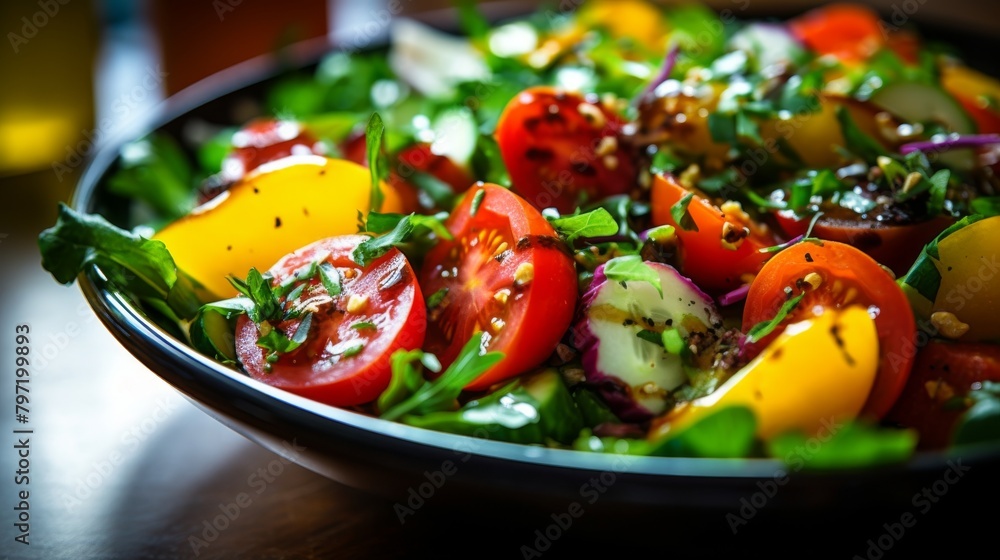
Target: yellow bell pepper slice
[277,209]
[969,265]
[817,371]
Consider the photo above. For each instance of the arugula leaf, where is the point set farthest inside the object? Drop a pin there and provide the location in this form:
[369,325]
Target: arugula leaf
[374,136]
[852,445]
[436,298]
[155,171]
[278,343]
[131,262]
[857,141]
[679,212]
[437,191]
[722,127]
[938,191]
[747,127]
[726,433]
[441,394]
[631,268]
[257,289]
[404,230]
[986,206]
[330,277]
[665,161]
[406,378]
[596,223]
[474,25]
[764,328]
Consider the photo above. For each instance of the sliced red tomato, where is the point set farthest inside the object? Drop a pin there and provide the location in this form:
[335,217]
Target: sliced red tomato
[505,273]
[344,360]
[716,256]
[944,373]
[850,32]
[561,149]
[412,159]
[844,276]
[893,245]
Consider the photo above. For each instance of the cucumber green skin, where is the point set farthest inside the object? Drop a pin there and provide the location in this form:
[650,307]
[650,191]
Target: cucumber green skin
[592,409]
[212,334]
[558,417]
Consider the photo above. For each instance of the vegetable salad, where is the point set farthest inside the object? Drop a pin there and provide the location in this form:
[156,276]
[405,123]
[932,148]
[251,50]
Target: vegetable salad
[626,229]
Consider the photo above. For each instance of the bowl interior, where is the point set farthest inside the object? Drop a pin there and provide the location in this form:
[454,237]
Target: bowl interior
[390,458]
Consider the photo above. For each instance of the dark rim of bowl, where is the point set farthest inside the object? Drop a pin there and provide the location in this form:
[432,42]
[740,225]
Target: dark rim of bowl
[125,321]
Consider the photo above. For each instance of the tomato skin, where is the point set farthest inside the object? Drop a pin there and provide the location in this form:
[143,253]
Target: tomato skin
[312,370]
[895,246]
[559,155]
[704,259]
[260,141]
[474,269]
[943,371]
[848,277]
[850,32]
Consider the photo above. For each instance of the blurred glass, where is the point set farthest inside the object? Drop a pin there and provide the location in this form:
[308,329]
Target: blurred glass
[47,97]
[198,37]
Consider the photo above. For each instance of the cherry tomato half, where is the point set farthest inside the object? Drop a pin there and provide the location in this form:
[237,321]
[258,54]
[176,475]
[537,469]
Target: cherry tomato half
[504,273]
[850,32]
[562,149]
[943,373]
[844,276]
[344,361]
[716,256]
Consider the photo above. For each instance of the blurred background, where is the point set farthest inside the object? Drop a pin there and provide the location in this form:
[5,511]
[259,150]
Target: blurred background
[76,72]
[123,462]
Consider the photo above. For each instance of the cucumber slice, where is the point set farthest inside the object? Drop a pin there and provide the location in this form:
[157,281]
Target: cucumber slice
[532,409]
[455,135]
[212,334]
[593,410]
[922,103]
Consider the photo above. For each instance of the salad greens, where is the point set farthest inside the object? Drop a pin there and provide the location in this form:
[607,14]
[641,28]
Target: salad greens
[738,137]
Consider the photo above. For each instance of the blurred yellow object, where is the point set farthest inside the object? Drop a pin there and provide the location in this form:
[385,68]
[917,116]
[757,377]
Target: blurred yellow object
[817,372]
[47,98]
[636,19]
[279,208]
[967,83]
